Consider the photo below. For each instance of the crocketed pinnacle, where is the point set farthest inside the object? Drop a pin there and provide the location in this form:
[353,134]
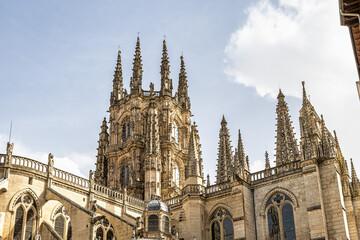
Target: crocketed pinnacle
[248,162]
[183,86]
[354,180]
[117,92]
[136,79]
[344,169]
[308,145]
[101,162]
[225,156]
[267,160]
[286,146]
[240,160]
[166,83]
[327,147]
[194,165]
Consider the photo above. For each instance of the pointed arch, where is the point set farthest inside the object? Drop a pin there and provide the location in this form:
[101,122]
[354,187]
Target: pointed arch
[20,193]
[216,207]
[279,190]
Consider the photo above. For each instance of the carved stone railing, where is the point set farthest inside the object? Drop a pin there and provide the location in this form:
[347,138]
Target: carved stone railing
[70,178]
[39,167]
[173,201]
[147,93]
[135,201]
[102,190]
[275,171]
[193,189]
[218,188]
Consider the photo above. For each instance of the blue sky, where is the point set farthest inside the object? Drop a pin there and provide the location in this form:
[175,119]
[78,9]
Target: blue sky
[57,62]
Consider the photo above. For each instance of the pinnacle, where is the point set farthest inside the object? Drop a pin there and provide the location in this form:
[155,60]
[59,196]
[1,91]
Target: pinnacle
[353,172]
[281,95]
[223,120]
[267,160]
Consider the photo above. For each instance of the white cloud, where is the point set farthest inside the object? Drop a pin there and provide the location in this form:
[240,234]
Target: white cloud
[75,163]
[291,41]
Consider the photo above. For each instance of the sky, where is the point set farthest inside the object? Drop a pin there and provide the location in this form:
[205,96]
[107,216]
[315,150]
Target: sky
[57,60]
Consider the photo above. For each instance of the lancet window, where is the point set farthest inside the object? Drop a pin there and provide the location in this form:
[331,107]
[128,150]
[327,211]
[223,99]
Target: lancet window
[125,175]
[126,129]
[25,218]
[222,225]
[62,224]
[280,217]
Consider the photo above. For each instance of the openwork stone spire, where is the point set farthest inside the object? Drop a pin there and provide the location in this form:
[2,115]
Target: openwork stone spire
[183,96]
[286,146]
[136,79]
[101,161]
[327,147]
[267,160]
[166,82]
[354,181]
[194,166]
[308,145]
[117,93]
[240,159]
[225,156]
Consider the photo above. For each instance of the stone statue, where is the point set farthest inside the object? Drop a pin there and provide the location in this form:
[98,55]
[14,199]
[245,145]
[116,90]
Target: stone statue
[50,163]
[9,150]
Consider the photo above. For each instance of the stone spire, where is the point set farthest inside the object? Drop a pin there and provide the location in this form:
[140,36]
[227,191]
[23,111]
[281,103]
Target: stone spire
[341,159]
[240,159]
[183,96]
[194,166]
[225,157]
[136,79]
[117,93]
[101,161]
[286,146]
[267,160]
[166,82]
[327,146]
[354,181]
[308,146]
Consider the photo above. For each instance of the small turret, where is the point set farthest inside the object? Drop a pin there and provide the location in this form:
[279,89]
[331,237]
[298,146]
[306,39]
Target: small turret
[225,156]
[117,93]
[194,170]
[166,82]
[136,79]
[267,160]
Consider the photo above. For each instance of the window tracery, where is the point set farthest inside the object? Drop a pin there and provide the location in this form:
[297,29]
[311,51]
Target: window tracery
[104,230]
[222,225]
[280,217]
[62,223]
[25,218]
[126,129]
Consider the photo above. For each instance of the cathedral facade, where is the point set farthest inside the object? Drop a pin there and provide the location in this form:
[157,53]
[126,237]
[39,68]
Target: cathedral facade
[149,181]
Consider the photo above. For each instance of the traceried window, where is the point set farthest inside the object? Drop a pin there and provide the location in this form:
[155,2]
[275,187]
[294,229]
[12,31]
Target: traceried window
[176,174]
[104,230]
[25,218]
[62,224]
[153,223]
[222,225]
[280,217]
[126,129]
[125,175]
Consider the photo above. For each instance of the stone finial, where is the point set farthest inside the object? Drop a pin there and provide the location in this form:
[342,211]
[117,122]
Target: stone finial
[208,180]
[183,86]
[286,146]
[165,72]
[9,151]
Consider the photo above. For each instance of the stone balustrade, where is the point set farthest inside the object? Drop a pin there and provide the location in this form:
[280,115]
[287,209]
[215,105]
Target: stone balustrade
[102,190]
[39,167]
[135,201]
[221,187]
[173,201]
[275,171]
[70,178]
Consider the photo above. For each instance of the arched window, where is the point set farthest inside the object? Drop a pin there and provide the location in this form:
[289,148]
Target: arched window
[99,234]
[62,224]
[126,129]
[19,218]
[123,176]
[175,132]
[280,217]
[25,218]
[165,224]
[176,174]
[222,225]
[153,223]
[59,225]
[109,235]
